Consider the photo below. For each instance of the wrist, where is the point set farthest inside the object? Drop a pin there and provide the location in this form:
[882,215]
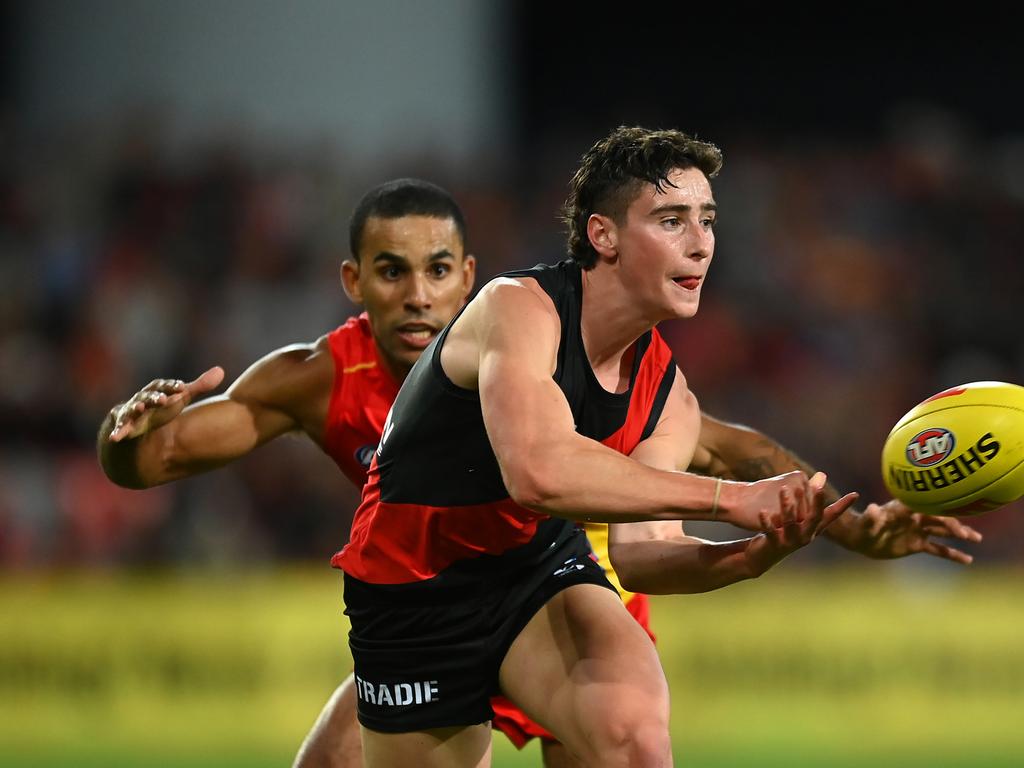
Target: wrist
[756,558]
[725,500]
[848,530]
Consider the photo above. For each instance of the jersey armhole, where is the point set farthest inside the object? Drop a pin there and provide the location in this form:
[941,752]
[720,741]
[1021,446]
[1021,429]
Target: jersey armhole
[667,379]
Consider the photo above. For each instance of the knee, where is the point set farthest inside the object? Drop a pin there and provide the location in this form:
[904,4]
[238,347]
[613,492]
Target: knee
[644,746]
[335,755]
[344,752]
[632,737]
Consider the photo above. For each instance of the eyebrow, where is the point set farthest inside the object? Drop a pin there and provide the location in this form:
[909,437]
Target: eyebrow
[444,253]
[680,208]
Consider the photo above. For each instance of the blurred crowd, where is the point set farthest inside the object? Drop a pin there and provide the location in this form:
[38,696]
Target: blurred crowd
[850,282]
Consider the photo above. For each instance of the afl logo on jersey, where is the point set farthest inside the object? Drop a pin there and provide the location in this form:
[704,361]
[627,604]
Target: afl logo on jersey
[930,447]
[364,455]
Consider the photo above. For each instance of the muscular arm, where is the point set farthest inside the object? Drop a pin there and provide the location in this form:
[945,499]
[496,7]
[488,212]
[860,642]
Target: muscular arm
[506,344]
[284,391]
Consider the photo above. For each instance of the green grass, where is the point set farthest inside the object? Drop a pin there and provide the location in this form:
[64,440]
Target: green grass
[877,667]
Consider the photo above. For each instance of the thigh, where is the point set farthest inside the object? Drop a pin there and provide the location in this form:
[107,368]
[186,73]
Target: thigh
[583,668]
[463,747]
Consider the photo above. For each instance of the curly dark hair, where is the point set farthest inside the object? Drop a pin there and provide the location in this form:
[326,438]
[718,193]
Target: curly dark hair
[612,172]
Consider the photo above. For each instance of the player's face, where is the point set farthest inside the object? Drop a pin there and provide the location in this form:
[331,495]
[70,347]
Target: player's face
[412,276]
[666,242]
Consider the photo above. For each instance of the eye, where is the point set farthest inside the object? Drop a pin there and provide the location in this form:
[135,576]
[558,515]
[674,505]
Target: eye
[440,269]
[391,272]
[708,223]
[671,222]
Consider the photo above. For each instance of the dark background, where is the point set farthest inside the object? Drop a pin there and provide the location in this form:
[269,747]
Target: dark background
[159,215]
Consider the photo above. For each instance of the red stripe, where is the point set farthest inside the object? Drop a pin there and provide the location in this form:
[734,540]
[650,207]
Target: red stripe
[402,543]
[645,389]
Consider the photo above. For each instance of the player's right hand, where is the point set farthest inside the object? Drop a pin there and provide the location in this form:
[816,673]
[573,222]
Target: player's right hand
[800,519]
[159,402]
[763,497]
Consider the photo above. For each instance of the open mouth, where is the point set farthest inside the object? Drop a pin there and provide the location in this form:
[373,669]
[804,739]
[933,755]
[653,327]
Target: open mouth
[416,335]
[689,283]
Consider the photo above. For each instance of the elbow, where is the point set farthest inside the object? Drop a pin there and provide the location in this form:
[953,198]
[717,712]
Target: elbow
[130,466]
[532,487]
[125,477]
[629,581]
[629,572]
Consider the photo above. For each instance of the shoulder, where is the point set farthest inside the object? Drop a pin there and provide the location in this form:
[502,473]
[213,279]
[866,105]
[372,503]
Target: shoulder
[355,333]
[510,322]
[519,299]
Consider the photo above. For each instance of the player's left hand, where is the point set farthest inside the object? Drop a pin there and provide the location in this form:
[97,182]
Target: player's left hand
[894,530]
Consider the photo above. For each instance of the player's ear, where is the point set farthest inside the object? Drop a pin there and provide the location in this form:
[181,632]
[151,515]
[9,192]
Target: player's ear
[603,236]
[350,280]
[468,273]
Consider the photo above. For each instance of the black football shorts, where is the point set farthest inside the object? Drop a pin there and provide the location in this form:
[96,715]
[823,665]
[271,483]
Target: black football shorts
[427,654]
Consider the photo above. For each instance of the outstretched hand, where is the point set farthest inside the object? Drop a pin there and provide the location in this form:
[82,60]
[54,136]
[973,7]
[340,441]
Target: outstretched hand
[894,530]
[799,520]
[159,402]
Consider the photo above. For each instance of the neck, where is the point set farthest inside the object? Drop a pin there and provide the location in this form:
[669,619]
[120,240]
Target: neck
[396,369]
[610,318]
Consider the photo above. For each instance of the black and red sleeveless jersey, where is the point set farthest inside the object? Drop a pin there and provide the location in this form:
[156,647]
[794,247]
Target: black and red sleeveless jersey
[435,506]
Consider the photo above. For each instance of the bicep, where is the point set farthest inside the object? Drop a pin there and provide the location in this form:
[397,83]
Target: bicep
[524,411]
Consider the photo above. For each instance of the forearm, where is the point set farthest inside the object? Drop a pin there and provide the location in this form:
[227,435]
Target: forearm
[203,437]
[753,456]
[681,566]
[586,481]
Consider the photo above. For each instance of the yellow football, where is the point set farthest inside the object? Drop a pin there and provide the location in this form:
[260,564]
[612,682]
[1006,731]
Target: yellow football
[959,452]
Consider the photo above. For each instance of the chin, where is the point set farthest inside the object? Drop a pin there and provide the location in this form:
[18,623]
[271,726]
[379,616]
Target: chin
[685,309]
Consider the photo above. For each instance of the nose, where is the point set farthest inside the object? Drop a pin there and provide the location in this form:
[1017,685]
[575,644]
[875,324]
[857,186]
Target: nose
[702,243]
[418,296]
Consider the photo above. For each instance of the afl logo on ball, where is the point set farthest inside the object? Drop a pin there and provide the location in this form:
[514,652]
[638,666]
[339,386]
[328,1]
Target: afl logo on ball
[930,447]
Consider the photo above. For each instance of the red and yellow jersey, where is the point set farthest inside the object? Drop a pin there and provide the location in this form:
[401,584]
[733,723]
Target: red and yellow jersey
[361,397]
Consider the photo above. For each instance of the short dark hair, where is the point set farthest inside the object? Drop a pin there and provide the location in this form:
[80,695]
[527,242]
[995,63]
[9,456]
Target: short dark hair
[612,171]
[403,197]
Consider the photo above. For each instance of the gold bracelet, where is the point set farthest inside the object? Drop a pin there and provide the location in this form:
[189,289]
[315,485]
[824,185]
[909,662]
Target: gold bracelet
[718,492]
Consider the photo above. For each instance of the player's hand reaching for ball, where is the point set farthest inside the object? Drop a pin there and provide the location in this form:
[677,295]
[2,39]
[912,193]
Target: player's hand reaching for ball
[891,530]
[800,517]
[159,402]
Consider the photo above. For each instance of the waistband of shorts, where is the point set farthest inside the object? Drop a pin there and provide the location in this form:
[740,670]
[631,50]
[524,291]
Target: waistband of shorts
[436,591]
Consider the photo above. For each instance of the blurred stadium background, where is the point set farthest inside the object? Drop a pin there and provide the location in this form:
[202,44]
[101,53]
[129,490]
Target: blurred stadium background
[175,185]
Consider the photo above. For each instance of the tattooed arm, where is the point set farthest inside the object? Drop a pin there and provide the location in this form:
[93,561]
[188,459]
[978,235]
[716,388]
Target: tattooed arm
[882,531]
